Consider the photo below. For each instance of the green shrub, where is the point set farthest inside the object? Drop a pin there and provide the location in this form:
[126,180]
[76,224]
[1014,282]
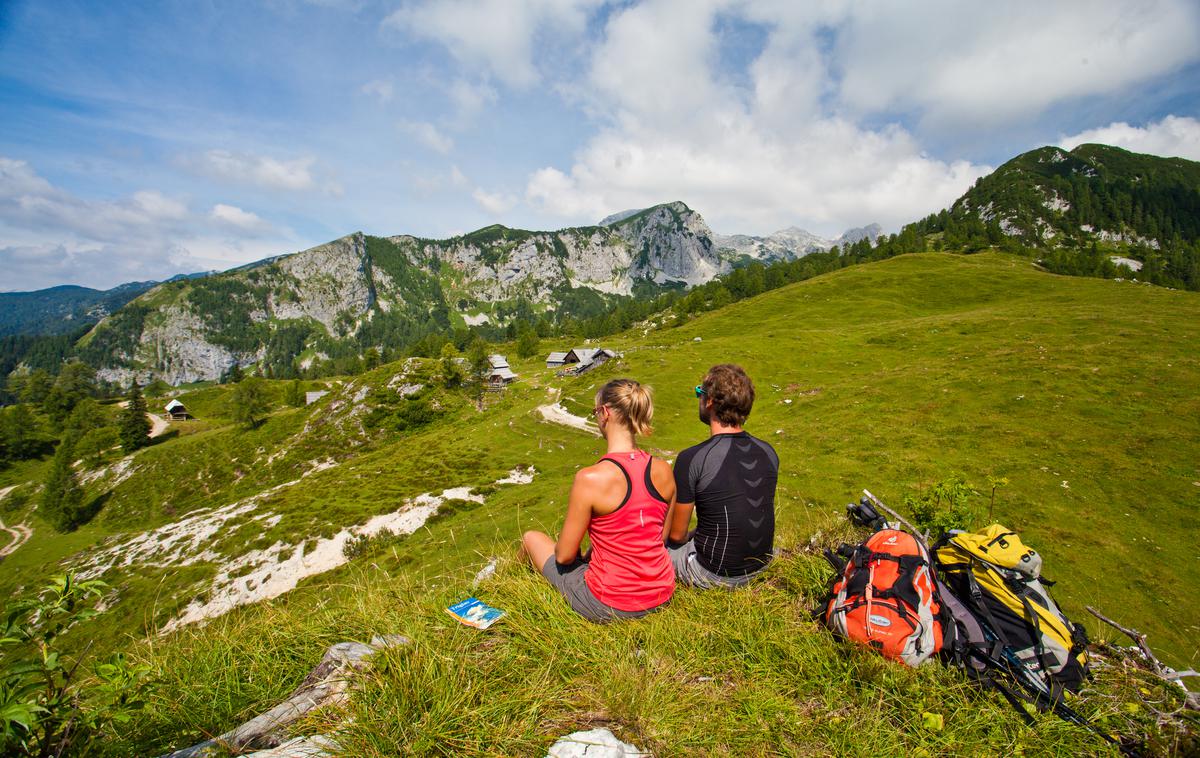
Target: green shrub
[45,708]
[944,506]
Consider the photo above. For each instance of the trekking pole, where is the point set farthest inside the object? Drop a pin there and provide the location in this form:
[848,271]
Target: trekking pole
[916,532]
[1020,674]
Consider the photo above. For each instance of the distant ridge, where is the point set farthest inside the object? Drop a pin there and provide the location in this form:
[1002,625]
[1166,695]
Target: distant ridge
[67,307]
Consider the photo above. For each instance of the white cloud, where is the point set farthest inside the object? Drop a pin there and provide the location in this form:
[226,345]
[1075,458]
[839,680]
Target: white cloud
[971,63]
[27,201]
[158,206]
[1172,137]
[38,265]
[17,178]
[382,89]
[763,138]
[258,170]
[830,175]
[231,215]
[494,203]
[428,135]
[469,99]
[50,236]
[753,158]
[494,36]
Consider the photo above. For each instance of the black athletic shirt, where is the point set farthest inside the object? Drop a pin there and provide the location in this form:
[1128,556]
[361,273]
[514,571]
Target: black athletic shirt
[731,479]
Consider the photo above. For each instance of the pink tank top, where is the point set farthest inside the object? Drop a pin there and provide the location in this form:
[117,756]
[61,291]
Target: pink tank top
[630,569]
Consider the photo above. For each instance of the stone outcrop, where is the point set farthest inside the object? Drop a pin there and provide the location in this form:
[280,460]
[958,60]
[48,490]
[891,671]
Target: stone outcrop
[791,243]
[197,330]
[325,685]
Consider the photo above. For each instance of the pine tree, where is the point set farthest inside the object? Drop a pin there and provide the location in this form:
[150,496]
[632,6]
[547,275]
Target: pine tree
[19,430]
[294,395]
[62,497]
[249,401]
[37,386]
[452,371]
[527,341]
[133,425]
[371,358]
[480,366]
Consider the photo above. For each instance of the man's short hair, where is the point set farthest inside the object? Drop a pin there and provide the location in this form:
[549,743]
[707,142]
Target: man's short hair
[731,392]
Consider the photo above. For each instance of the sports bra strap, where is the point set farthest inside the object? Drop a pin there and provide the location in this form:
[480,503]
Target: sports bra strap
[628,484]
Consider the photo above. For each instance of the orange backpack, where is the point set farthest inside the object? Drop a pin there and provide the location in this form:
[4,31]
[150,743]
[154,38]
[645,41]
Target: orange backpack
[887,599]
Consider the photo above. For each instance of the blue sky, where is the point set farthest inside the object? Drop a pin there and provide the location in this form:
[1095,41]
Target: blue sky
[146,139]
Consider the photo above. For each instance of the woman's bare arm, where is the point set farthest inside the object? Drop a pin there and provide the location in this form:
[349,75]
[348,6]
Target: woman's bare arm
[579,515]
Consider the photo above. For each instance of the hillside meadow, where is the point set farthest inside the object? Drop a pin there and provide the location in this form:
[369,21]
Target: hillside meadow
[891,376]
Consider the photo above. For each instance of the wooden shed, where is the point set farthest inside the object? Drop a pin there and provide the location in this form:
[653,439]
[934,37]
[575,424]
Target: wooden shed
[501,375]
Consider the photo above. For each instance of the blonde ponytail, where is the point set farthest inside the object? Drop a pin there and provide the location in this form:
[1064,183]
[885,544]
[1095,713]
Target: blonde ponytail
[631,401]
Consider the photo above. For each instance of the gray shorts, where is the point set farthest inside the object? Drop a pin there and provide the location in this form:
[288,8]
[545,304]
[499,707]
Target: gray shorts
[579,596]
[689,571]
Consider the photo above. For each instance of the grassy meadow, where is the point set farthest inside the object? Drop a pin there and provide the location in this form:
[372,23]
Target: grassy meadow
[1082,393]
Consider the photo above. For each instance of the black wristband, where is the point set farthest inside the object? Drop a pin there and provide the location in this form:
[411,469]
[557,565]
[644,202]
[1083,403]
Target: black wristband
[566,568]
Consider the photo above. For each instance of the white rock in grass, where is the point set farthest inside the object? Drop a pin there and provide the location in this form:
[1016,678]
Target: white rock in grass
[487,572]
[594,743]
[300,747]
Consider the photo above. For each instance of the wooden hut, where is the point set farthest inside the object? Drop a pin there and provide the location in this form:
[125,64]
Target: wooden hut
[176,411]
[501,375]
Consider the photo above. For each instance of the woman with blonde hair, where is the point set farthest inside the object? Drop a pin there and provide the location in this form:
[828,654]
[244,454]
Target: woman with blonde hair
[621,503]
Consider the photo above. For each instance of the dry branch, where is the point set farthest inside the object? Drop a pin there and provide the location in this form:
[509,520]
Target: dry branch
[325,685]
[1167,674]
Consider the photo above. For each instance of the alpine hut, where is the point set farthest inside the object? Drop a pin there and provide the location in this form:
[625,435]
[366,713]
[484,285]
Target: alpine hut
[176,411]
[501,375]
[581,359]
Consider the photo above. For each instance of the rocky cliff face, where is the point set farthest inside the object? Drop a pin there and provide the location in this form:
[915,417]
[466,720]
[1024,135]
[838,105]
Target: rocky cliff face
[671,244]
[790,243]
[196,330]
[360,290]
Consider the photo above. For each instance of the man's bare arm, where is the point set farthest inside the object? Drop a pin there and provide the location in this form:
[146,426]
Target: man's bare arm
[679,519]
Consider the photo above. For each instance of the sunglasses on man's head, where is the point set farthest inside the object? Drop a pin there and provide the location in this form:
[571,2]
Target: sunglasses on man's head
[700,390]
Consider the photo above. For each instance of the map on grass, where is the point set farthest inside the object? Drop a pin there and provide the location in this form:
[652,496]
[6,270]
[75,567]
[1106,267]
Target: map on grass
[476,613]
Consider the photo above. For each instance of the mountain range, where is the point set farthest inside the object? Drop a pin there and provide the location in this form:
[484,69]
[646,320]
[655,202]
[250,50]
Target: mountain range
[387,291]
[338,299]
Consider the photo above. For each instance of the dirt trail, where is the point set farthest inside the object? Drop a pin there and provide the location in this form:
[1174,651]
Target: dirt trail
[20,533]
[555,413]
[158,424]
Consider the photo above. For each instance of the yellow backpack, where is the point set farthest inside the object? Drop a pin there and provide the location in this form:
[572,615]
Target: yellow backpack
[998,578]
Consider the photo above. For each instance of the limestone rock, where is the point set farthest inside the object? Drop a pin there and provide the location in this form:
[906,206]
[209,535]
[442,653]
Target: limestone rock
[594,743]
[184,332]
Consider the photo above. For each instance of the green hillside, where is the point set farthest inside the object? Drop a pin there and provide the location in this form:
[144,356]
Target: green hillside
[892,376]
[1083,205]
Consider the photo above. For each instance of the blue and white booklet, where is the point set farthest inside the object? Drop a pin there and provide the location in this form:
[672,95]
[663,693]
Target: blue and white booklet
[474,612]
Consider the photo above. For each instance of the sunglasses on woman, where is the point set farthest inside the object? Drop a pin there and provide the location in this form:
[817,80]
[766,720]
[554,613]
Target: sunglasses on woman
[700,390]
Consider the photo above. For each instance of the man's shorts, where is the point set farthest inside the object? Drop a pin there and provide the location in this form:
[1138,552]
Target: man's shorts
[689,571]
[571,584]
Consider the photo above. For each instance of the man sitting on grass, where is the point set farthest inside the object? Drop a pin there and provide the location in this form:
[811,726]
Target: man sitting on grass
[729,480]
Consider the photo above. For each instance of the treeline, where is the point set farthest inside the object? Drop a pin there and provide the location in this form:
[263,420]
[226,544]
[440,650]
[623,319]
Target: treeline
[1175,263]
[63,415]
